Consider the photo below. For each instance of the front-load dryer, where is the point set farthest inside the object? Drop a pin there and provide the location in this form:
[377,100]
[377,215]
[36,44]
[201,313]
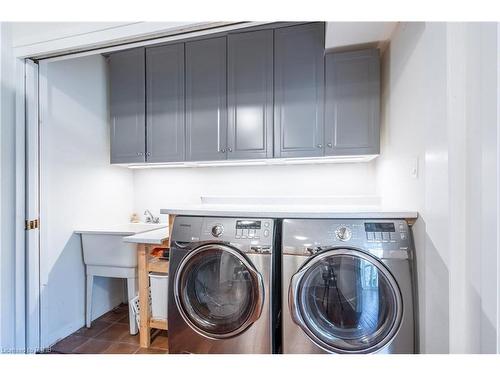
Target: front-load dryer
[220,285]
[348,286]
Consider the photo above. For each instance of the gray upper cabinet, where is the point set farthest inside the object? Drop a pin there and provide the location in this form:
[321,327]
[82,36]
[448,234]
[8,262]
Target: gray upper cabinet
[127,106]
[260,93]
[352,113]
[250,95]
[299,90]
[165,103]
[206,112]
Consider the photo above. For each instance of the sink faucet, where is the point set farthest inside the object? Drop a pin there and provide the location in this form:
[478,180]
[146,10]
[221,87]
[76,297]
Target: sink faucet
[150,218]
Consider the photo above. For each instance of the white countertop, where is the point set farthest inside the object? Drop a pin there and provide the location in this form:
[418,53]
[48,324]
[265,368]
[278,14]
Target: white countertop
[126,229]
[154,237]
[290,211]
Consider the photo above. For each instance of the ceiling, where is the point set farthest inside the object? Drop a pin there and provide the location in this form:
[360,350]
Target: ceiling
[342,34]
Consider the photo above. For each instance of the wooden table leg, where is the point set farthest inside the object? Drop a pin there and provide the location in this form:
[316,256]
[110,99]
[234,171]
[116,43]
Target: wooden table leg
[144,331]
[171,219]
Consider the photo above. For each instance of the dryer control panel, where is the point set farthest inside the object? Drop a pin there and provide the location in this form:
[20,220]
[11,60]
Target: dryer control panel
[307,237]
[385,231]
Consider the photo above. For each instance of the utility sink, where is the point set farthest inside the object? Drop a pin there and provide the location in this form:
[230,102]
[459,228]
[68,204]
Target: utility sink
[104,246]
[105,254]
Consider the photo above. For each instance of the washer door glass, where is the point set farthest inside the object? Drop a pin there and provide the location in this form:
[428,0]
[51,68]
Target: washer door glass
[219,292]
[347,301]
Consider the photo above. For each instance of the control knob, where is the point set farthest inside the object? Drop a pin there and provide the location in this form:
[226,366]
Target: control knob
[217,230]
[343,233]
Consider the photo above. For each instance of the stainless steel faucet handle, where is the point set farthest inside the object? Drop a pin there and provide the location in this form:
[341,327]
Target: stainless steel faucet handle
[150,218]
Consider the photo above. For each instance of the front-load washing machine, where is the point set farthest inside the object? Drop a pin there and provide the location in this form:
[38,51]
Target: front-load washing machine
[220,290]
[348,286]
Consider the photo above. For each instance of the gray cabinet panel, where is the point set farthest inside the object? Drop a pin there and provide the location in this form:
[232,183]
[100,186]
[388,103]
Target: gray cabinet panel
[250,95]
[299,90]
[352,113]
[165,103]
[127,106]
[206,113]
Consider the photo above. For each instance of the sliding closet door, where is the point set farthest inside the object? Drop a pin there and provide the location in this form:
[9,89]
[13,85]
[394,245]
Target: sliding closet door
[32,209]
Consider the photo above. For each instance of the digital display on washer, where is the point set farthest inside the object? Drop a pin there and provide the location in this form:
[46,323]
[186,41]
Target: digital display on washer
[248,224]
[379,227]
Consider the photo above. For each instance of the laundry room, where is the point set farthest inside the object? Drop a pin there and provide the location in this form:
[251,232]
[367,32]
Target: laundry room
[250,187]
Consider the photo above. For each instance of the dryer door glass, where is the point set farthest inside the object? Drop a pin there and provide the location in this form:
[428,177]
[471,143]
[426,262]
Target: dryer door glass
[347,301]
[218,291]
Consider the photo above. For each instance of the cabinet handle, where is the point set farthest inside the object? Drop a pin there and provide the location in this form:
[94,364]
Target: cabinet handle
[329,145]
[223,150]
[319,145]
[148,153]
[139,154]
[230,149]
[218,131]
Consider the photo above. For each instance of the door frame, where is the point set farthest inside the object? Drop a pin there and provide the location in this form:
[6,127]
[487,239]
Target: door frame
[26,336]
[20,286]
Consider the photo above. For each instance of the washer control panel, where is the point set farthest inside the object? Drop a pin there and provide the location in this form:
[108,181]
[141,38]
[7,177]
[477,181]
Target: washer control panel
[251,235]
[217,230]
[249,228]
[250,231]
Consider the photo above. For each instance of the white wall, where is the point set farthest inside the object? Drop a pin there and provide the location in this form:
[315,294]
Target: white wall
[7,191]
[78,187]
[481,140]
[161,188]
[414,131]
[440,107]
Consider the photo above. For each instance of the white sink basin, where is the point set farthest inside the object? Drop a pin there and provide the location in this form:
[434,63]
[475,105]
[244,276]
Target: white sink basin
[104,246]
[126,229]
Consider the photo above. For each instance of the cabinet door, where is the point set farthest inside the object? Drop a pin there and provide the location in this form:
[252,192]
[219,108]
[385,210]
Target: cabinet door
[165,103]
[299,90]
[352,117]
[206,116]
[127,106]
[250,95]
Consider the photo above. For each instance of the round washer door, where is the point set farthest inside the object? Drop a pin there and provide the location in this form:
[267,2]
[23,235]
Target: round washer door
[346,301]
[218,292]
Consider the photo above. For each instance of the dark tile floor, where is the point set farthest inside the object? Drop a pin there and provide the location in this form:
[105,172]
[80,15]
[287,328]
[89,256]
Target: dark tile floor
[109,334]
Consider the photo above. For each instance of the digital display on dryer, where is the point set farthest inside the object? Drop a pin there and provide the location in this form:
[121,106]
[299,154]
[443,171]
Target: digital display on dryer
[248,224]
[379,227]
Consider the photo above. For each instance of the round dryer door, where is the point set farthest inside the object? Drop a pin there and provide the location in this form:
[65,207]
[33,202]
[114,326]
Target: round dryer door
[218,291]
[346,301]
